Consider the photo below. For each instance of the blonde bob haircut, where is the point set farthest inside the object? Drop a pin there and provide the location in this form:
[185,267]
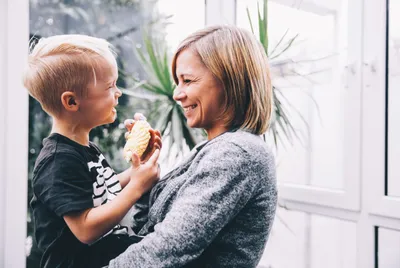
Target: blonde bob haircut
[238,60]
[64,63]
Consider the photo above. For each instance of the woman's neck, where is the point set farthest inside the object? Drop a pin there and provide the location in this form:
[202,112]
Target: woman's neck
[216,131]
[72,131]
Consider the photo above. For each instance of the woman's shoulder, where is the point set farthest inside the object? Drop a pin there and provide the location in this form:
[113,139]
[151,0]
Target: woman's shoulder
[242,140]
[243,144]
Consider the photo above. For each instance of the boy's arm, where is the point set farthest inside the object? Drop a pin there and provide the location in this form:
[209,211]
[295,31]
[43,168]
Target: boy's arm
[124,177]
[89,225]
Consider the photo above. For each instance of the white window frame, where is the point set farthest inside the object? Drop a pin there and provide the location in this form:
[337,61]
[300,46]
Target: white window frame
[349,197]
[374,96]
[14,28]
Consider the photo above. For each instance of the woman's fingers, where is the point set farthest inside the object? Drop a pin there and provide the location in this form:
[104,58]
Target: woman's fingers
[157,133]
[157,142]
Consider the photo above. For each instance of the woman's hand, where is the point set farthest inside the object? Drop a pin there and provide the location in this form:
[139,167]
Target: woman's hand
[155,137]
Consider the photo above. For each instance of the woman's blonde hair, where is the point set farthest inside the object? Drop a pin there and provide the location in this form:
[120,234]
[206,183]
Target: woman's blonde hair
[64,63]
[238,60]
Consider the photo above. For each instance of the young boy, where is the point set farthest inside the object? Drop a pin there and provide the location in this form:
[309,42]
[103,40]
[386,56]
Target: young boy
[78,200]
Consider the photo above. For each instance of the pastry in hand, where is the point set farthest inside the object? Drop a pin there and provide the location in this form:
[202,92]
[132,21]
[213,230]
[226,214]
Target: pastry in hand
[137,140]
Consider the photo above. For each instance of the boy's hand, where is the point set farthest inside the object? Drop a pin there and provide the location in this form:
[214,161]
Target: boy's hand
[144,175]
[155,137]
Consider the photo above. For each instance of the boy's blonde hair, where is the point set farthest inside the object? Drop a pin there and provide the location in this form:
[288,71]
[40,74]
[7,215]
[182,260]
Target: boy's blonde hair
[64,63]
[238,60]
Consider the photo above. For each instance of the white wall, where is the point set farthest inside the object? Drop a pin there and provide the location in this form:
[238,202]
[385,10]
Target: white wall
[14,34]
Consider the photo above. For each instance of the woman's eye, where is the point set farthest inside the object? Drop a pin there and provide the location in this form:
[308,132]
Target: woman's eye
[187,81]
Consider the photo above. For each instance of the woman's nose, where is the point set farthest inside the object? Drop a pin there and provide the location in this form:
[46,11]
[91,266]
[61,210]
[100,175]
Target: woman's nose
[179,94]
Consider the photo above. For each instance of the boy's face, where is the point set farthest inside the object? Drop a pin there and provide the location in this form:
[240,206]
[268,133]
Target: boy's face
[98,107]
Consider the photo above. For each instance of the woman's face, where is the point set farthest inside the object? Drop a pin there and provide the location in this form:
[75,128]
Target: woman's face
[200,94]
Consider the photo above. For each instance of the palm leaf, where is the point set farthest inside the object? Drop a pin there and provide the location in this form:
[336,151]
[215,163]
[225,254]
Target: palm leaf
[289,44]
[278,44]
[251,23]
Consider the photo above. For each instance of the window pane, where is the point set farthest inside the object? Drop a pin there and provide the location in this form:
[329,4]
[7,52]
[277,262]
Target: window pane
[182,22]
[312,76]
[304,240]
[393,77]
[388,248]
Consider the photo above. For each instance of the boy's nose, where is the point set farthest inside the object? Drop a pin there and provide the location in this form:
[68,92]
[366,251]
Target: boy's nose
[179,94]
[118,93]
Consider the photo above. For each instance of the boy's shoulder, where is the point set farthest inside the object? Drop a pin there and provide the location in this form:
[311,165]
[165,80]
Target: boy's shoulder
[58,145]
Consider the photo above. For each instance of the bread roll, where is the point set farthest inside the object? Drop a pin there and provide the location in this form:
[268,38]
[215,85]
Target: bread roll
[137,140]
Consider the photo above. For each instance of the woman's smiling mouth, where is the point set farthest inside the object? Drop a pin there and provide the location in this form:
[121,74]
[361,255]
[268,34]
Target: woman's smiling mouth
[189,108]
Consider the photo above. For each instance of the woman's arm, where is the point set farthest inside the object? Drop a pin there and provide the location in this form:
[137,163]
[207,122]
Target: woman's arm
[221,185]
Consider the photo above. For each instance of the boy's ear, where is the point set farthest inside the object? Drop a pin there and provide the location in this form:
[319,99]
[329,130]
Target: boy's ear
[70,101]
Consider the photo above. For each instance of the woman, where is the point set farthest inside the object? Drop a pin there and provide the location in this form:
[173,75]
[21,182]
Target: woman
[217,207]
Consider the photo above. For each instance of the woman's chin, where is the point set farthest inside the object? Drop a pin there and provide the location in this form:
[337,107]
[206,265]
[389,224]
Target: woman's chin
[192,124]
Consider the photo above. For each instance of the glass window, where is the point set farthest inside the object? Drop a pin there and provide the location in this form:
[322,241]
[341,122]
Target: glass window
[388,248]
[305,240]
[311,75]
[393,84]
[182,23]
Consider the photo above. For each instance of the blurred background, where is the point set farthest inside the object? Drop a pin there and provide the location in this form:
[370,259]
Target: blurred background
[336,75]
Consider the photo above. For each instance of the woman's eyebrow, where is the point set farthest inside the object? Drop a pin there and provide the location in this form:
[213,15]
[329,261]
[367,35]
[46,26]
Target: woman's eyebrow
[186,74]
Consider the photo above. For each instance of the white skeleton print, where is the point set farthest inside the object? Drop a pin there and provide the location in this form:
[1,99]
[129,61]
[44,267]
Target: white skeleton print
[105,188]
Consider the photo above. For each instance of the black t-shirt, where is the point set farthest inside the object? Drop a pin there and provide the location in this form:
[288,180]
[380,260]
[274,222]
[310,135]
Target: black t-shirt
[69,177]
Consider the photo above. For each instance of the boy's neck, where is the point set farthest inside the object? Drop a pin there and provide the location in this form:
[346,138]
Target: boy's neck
[71,131]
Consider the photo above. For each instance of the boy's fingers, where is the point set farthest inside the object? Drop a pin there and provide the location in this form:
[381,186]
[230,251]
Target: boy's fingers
[139,116]
[135,160]
[154,157]
[129,124]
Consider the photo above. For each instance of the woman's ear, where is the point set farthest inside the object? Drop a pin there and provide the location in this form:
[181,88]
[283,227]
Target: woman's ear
[70,101]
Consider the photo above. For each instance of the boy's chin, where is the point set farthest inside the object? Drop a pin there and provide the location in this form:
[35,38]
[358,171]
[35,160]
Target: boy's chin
[109,120]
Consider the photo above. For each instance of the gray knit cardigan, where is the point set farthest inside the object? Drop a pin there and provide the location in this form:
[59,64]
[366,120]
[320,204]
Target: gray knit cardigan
[215,209]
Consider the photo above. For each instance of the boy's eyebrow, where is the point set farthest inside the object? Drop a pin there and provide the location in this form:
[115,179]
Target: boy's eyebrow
[112,80]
